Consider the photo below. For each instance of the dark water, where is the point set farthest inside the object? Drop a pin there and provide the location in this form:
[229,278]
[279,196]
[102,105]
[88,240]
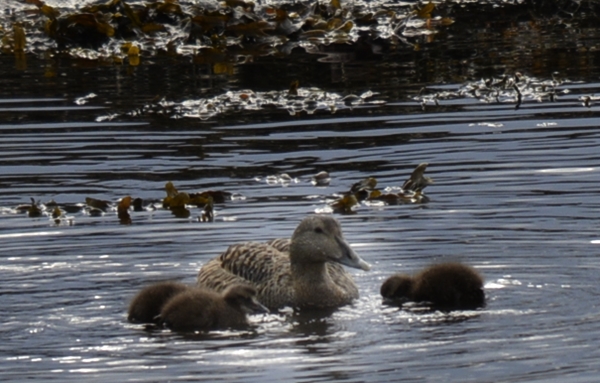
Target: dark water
[515,195]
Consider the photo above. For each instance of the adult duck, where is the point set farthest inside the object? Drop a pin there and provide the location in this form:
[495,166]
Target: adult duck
[303,272]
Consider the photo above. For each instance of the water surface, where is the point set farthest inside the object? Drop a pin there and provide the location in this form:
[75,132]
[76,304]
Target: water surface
[515,195]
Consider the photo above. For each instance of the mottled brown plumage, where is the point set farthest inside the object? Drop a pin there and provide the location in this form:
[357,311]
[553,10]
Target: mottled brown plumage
[447,286]
[147,304]
[199,309]
[305,271]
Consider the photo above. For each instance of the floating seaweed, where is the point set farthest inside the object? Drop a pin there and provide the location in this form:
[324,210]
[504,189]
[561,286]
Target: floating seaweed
[97,30]
[512,89]
[300,100]
[417,181]
[26,206]
[345,204]
[321,179]
[93,203]
[50,209]
[177,201]
[365,191]
[138,204]
[34,210]
[57,213]
[180,203]
[123,211]
[208,214]
[411,190]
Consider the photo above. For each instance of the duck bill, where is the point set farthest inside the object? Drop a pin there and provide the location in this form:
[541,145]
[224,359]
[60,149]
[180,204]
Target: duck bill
[257,308]
[350,258]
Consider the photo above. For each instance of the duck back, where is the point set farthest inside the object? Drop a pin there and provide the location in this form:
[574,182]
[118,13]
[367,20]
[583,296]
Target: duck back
[449,286]
[266,266]
[446,286]
[201,310]
[258,264]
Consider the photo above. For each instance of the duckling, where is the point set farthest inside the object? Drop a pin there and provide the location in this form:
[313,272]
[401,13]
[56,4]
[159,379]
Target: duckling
[199,309]
[303,272]
[447,286]
[147,304]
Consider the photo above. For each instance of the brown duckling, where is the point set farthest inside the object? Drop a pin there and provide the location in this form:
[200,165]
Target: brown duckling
[198,309]
[148,303]
[447,286]
[305,271]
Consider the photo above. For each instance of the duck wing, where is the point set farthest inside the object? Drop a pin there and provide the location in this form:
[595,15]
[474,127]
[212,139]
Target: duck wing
[281,244]
[260,265]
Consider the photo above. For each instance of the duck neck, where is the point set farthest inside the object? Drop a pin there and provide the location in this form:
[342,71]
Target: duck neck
[313,287]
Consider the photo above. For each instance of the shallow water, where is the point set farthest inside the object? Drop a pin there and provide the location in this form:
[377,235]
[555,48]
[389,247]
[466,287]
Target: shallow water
[515,195]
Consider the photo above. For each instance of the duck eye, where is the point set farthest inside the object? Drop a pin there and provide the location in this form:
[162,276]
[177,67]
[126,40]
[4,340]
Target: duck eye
[318,230]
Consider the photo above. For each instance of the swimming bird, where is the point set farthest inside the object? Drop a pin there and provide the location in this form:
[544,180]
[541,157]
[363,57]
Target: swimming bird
[303,272]
[198,309]
[447,286]
[147,304]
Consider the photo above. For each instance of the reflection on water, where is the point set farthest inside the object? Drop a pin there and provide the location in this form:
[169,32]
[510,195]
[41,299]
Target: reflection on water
[515,195]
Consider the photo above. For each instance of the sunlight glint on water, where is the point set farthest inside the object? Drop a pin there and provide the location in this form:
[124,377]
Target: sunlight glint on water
[515,195]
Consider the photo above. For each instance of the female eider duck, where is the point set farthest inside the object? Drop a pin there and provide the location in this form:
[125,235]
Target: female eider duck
[303,272]
[199,309]
[447,286]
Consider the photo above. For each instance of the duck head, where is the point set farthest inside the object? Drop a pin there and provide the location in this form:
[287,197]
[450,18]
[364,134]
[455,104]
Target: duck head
[397,287]
[244,297]
[319,239]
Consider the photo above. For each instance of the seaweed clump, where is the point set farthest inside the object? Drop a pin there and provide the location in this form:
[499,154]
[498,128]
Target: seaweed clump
[226,31]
